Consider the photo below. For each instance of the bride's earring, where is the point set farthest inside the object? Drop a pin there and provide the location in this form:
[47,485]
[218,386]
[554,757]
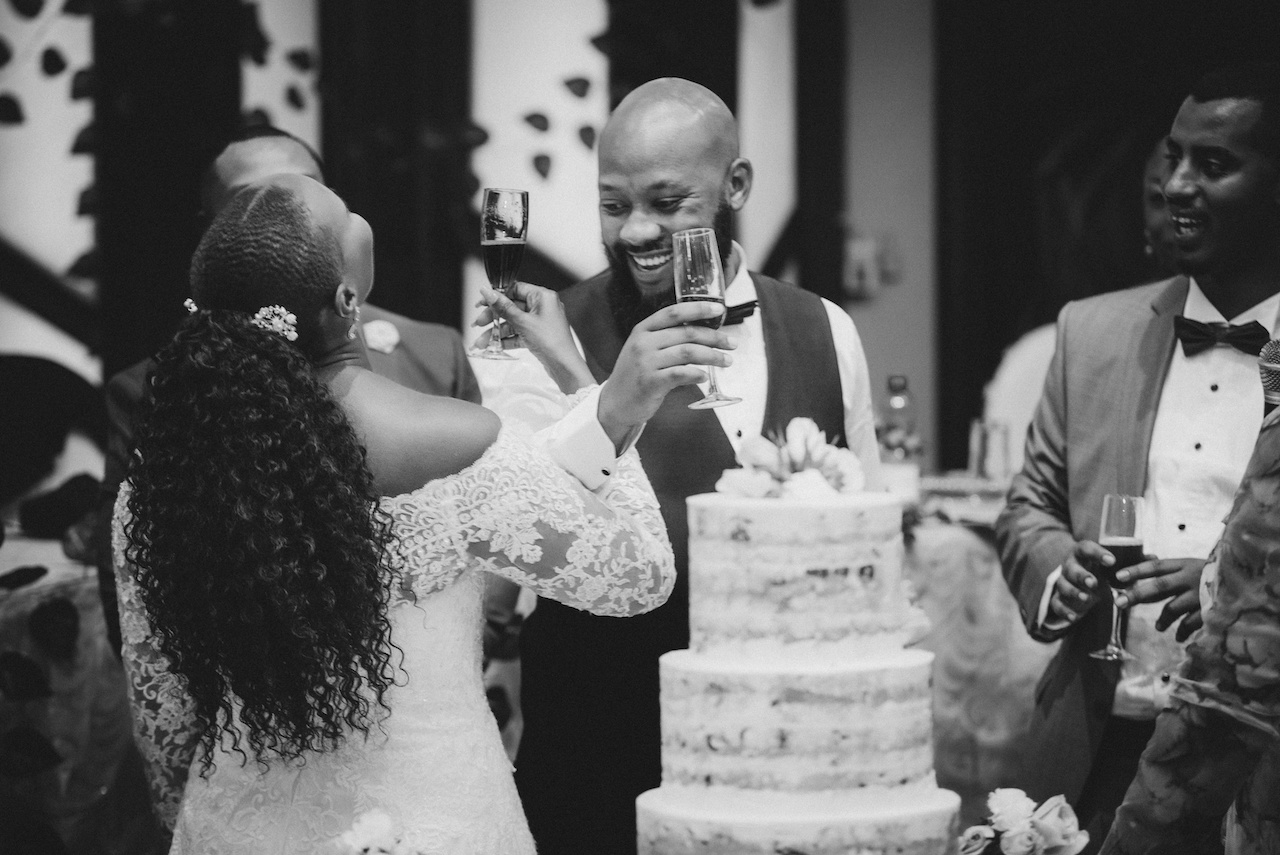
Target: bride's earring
[355,322]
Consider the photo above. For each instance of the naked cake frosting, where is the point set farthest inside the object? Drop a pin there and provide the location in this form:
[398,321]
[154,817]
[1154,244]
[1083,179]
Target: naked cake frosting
[797,721]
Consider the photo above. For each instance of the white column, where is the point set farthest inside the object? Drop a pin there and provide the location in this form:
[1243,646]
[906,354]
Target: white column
[767,122]
[523,54]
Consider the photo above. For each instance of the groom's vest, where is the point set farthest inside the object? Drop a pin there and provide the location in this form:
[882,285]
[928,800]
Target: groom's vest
[684,451]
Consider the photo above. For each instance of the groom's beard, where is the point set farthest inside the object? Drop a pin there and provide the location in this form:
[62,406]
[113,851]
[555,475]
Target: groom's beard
[626,302]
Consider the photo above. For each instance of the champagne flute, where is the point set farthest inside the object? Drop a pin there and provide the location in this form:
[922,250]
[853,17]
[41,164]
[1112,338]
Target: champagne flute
[699,277]
[1121,535]
[504,226]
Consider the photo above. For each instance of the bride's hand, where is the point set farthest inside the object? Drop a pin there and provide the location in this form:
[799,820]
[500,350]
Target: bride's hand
[537,315]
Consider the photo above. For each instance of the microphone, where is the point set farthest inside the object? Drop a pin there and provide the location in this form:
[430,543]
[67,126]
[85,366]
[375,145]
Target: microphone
[1269,370]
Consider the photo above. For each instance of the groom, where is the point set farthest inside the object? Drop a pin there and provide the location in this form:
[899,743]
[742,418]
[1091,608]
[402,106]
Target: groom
[668,161]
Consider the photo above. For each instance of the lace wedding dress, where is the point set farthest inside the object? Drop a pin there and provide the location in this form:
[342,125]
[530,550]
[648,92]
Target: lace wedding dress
[436,766]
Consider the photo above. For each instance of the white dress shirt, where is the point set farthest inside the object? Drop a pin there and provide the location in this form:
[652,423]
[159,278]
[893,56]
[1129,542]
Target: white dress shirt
[1205,428]
[521,390]
[748,377]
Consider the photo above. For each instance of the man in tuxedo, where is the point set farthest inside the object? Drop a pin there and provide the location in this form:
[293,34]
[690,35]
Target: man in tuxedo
[668,161]
[1149,393]
[423,356]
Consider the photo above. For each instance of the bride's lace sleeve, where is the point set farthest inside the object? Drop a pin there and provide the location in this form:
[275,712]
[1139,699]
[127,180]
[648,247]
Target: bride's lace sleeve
[163,727]
[516,513]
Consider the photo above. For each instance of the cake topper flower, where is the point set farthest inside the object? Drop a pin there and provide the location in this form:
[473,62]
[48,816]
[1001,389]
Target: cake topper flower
[1018,827]
[798,464]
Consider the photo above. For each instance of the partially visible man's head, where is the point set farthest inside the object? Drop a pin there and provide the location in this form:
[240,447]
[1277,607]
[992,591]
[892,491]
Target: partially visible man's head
[668,161]
[1223,189]
[256,153]
[1156,227]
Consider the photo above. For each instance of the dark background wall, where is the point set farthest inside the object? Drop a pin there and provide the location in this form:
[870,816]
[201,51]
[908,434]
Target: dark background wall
[167,97]
[1046,112]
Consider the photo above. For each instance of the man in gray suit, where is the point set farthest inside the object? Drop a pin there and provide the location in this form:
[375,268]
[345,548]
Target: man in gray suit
[1151,393]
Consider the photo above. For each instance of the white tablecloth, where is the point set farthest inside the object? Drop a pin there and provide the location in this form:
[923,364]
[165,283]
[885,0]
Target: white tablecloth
[985,667]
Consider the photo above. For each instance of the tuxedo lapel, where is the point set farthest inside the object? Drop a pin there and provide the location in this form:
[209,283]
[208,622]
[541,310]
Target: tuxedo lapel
[1145,375]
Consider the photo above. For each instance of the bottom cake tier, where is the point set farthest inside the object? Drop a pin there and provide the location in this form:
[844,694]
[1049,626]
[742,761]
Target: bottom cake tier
[919,819]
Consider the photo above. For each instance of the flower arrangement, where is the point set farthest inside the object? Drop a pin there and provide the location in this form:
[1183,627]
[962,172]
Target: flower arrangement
[798,464]
[1018,827]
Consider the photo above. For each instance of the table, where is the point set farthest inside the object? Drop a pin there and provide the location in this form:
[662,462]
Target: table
[986,666]
[86,718]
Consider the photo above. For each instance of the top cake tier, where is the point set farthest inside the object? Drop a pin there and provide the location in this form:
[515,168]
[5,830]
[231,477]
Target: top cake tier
[785,577]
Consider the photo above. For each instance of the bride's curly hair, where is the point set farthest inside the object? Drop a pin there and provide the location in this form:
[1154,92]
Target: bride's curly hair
[258,543]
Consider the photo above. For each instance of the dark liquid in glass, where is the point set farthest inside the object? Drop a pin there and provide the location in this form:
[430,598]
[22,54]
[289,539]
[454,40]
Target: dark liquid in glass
[1127,552]
[711,323]
[502,261]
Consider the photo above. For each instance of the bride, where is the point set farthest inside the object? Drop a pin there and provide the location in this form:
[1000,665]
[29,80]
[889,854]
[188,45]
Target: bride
[299,547]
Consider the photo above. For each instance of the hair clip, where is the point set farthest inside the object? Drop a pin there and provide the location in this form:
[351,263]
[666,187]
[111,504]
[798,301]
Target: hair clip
[191,306]
[277,319]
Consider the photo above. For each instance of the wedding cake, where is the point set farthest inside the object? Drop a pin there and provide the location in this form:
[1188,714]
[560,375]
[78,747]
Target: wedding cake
[797,722]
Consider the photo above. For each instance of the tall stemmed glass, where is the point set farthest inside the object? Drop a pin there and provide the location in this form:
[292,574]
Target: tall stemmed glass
[504,226]
[700,278]
[1121,535]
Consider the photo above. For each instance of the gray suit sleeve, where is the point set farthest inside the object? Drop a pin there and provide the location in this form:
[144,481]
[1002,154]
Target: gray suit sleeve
[1033,532]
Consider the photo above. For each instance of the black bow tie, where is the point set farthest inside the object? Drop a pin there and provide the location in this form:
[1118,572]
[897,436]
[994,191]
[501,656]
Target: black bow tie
[737,314]
[1197,336]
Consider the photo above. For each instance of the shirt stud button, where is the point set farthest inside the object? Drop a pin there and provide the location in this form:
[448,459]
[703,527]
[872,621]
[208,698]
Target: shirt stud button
[1213,388]
[1197,446]
[1182,526]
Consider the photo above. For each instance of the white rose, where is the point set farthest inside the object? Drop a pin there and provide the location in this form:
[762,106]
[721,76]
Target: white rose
[843,470]
[373,831]
[1056,821]
[380,335]
[1009,808]
[756,452]
[1072,846]
[807,484]
[1022,839]
[804,442]
[750,483]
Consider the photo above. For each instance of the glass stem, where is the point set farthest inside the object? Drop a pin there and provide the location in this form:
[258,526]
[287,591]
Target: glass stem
[1115,622]
[495,336]
[714,390]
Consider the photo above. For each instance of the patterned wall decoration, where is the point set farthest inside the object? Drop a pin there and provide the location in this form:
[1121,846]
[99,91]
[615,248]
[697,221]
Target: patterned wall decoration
[542,110]
[46,136]
[279,79]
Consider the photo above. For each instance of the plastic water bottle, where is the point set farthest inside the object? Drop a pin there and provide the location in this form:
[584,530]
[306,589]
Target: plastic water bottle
[899,439]
[900,444]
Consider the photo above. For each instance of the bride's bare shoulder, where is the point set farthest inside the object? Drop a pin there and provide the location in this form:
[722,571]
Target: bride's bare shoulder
[412,438]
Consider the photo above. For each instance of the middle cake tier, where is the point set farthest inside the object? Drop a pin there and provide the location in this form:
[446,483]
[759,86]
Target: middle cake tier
[796,725]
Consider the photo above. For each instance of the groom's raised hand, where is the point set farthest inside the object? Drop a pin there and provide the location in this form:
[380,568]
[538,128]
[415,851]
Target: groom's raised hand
[664,351]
